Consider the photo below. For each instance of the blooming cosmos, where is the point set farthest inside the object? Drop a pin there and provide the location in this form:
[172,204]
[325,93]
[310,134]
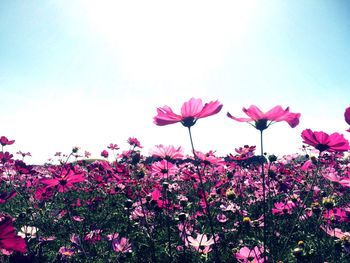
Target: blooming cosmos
[28,232]
[65,181]
[4,141]
[246,254]
[334,142]
[8,238]
[260,119]
[201,243]
[347,116]
[167,152]
[191,111]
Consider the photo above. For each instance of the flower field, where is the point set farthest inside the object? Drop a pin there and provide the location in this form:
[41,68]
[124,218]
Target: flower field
[244,207]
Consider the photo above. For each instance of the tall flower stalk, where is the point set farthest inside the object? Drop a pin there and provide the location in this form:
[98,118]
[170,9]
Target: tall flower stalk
[261,121]
[191,111]
[208,212]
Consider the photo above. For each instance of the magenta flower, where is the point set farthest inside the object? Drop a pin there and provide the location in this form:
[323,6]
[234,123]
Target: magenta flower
[4,141]
[65,181]
[121,244]
[246,255]
[104,154]
[260,119]
[8,238]
[191,111]
[347,117]
[113,146]
[282,208]
[134,142]
[334,142]
[5,196]
[167,152]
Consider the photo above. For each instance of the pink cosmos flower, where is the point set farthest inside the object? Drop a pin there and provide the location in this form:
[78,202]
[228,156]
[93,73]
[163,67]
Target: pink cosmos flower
[282,208]
[121,244]
[201,243]
[347,117]
[4,141]
[246,255]
[261,119]
[164,169]
[167,152]
[243,153]
[66,252]
[5,196]
[334,142]
[104,153]
[113,146]
[8,238]
[191,111]
[5,157]
[65,181]
[336,232]
[134,142]
[23,154]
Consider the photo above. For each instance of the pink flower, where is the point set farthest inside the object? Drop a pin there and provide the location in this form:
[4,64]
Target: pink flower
[24,154]
[243,153]
[104,154]
[324,142]
[134,142]
[65,181]
[4,141]
[5,196]
[336,232]
[121,244]
[191,111]
[8,238]
[260,118]
[347,116]
[66,252]
[164,169]
[113,146]
[201,243]
[167,152]
[246,255]
[282,208]
[93,236]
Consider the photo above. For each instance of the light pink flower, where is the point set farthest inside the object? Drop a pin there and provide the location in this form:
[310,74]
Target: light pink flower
[201,243]
[164,169]
[167,152]
[191,111]
[334,142]
[121,244]
[246,255]
[261,119]
[336,232]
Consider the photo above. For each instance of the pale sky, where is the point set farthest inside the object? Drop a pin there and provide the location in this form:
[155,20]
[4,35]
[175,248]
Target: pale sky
[89,73]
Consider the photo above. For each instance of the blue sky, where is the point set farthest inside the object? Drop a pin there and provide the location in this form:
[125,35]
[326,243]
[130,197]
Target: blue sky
[89,73]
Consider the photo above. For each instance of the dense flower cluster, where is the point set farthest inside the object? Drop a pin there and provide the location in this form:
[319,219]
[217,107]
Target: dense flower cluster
[173,207]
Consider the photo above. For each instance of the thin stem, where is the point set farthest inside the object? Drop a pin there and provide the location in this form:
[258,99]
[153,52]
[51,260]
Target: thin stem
[313,183]
[167,200]
[193,151]
[205,200]
[264,194]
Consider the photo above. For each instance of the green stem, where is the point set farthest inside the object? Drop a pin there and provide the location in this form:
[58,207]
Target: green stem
[205,200]
[264,195]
